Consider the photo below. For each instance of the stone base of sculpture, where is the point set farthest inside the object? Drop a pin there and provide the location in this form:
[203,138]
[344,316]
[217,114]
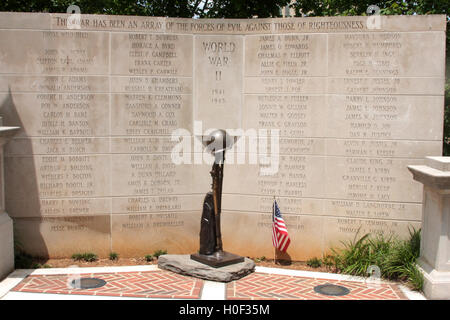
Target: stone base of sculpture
[217,259]
[183,264]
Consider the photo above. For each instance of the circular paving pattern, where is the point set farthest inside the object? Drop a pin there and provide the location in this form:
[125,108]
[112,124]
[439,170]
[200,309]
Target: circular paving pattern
[332,290]
[87,283]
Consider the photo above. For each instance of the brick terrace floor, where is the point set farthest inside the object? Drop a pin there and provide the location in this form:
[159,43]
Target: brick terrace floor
[151,284]
[165,284]
[259,286]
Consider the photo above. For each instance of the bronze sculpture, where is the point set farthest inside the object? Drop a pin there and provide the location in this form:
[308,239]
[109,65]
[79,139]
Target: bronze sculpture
[211,250]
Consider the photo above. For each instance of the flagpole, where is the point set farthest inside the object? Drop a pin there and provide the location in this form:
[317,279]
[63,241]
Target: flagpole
[280,236]
[274,249]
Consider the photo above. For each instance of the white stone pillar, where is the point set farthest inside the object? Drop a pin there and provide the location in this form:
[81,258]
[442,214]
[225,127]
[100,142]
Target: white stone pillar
[435,239]
[6,224]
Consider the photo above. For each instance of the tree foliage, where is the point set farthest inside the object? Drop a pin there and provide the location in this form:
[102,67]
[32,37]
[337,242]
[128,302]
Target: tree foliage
[244,9]
[350,8]
[161,8]
[173,8]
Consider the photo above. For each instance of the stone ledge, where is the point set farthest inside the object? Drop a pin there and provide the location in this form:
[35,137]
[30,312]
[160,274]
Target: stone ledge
[183,264]
[438,163]
[6,245]
[431,177]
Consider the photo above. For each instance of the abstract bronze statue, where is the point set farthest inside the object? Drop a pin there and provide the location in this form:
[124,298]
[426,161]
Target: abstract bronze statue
[211,250]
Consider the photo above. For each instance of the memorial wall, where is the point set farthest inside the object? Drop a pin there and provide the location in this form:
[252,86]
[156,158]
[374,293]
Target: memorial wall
[339,105]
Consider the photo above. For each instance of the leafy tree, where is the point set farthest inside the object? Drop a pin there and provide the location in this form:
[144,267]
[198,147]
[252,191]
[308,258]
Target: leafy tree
[243,8]
[348,8]
[169,8]
[446,147]
[173,8]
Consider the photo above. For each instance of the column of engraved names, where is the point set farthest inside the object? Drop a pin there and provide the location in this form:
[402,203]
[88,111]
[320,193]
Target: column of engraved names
[373,114]
[153,94]
[377,125]
[69,130]
[284,83]
[151,97]
[60,106]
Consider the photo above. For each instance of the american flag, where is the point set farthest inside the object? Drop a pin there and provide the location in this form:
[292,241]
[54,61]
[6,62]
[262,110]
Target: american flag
[280,237]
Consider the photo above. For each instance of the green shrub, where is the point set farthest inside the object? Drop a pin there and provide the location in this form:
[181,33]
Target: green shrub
[415,278]
[446,142]
[414,242]
[395,258]
[359,254]
[86,256]
[113,256]
[77,256]
[260,259]
[23,260]
[148,257]
[328,261]
[90,257]
[314,262]
[158,253]
[400,263]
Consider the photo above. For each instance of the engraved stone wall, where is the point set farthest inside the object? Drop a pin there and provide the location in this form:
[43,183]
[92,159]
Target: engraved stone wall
[91,169]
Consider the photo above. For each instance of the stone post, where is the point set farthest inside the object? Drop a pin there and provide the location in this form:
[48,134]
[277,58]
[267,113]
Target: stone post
[434,258]
[6,224]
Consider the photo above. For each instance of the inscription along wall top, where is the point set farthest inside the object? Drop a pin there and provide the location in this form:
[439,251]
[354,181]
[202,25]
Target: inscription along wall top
[91,169]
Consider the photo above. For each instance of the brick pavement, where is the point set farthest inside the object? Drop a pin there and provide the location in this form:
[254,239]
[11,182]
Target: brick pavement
[151,284]
[165,284]
[263,286]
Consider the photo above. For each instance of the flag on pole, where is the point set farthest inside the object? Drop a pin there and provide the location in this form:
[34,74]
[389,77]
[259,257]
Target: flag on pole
[280,237]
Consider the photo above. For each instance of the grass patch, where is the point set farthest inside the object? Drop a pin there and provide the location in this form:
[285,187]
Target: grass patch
[86,256]
[314,263]
[148,257]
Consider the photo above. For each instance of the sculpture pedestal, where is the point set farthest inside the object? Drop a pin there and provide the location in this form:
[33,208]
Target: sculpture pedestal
[217,259]
[6,245]
[6,223]
[183,264]
[435,236]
